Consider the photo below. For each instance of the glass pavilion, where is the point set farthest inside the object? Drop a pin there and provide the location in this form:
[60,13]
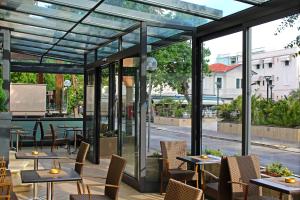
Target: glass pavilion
[112,38]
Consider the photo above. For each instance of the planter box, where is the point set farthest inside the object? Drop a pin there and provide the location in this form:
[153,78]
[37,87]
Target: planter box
[108,146]
[5,124]
[172,121]
[152,180]
[275,133]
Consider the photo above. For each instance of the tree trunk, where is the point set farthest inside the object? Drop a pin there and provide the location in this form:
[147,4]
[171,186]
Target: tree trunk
[74,83]
[185,91]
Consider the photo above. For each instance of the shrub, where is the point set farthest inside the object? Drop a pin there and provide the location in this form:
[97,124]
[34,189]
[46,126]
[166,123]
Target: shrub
[2,98]
[214,152]
[277,169]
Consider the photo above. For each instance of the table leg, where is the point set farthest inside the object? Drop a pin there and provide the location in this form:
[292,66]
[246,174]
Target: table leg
[50,194]
[17,142]
[35,191]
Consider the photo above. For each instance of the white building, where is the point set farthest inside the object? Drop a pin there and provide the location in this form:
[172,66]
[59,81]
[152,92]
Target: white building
[281,67]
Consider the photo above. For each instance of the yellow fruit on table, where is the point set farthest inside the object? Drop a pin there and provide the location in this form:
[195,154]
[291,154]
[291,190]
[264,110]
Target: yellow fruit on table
[54,171]
[35,152]
[204,156]
[290,180]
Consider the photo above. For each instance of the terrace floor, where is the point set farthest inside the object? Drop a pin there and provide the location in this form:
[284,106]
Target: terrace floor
[62,190]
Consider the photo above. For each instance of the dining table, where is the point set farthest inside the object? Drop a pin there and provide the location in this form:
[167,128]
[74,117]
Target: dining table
[74,130]
[279,184]
[45,176]
[36,158]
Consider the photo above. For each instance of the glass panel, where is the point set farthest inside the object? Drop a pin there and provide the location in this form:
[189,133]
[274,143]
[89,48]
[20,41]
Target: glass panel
[129,115]
[15,41]
[95,31]
[162,32]
[84,38]
[144,12]
[227,7]
[108,21]
[34,20]
[90,57]
[32,29]
[109,49]
[87,4]
[66,49]
[90,113]
[69,55]
[30,49]
[222,100]
[34,37]
[76,44]
[275,110]
[44,9]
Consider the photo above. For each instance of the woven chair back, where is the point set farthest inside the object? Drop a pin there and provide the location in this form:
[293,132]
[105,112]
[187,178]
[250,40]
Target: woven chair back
[180,191]
[172,149]
[114,176]
[242,169]
[81,155]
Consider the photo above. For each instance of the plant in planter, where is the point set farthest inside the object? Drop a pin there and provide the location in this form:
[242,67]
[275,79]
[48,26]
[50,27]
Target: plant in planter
[214,152]
[153,166]
[2,98]
[276,169]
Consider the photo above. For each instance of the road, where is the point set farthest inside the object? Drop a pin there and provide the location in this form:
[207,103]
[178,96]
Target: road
[266,154]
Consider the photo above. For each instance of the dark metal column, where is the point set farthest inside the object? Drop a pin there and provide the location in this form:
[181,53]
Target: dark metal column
[97,112]
[85,81]
[246,118]
[197,66]
[6,64]
[142,105]
[111,96]
[120,110]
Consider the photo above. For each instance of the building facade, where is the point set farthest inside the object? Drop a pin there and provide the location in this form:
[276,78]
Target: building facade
[274,72]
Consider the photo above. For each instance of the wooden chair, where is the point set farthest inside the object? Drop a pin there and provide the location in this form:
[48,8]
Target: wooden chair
[179,191]
[56,141]
[6,183]
[79,163]
[112,184]
[172,167]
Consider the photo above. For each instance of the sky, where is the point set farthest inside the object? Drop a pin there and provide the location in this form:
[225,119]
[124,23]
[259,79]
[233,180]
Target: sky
[262,37]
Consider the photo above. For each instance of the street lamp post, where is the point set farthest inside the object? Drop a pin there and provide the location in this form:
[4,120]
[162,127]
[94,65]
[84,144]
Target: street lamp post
[218,84]
[151,67]
[268,82]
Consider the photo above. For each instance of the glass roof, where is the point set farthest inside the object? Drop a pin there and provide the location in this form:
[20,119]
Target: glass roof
[67,29]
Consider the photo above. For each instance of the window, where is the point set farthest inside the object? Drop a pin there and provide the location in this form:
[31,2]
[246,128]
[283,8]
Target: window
[263,65]
[263,83]
[233,60]
[270,82]
[270,65]
[286,62]
[219,83]
[258,66]
[258,83]
[238,83]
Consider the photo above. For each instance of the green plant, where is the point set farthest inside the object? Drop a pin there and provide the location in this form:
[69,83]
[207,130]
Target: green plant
[155,155]
[214,152]
[277,169]
[2,98]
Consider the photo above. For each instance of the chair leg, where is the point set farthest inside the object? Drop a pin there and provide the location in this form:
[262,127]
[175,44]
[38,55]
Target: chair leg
[161,183]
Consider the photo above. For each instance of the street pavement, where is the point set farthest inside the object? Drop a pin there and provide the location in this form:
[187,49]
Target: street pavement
[268,150]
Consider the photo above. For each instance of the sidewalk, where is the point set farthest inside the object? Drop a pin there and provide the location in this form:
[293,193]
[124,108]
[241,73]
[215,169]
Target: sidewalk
[275,144]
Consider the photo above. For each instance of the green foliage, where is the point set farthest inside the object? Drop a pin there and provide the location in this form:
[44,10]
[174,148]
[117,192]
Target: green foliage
[214,152]
[283,113]
[277,169]
[175,67]
[2,98]
[155,154]
[168,107]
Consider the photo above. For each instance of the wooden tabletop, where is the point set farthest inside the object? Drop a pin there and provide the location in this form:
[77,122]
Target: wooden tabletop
[41,155]
[278,184]
[41,176]
[197,160]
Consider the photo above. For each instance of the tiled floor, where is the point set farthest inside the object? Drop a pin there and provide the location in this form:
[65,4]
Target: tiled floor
[62,190]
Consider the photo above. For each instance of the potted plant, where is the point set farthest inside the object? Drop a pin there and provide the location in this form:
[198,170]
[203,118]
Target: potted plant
[276,169]
[5,124]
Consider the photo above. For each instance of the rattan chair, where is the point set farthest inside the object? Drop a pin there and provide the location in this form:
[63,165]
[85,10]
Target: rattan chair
[172,167]
[56,141]
[179,191]
[234,180]
[112,184]
[29,135]
[79,163]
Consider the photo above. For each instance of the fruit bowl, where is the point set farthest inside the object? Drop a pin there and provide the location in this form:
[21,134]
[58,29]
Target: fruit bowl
[35,152]
[204,156]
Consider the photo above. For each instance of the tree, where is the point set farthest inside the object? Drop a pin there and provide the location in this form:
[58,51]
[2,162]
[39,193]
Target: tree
[175,67]
[290,22]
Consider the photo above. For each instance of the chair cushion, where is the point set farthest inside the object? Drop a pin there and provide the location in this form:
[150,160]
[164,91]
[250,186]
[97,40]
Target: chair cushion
[211,190]
[179,174]
[86,197]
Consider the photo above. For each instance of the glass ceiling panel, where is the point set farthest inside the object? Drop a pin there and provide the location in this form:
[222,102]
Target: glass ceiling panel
[86,4]
[34,37]
[32,29]
[67,49]
[95,31]
[77,45]
[162,32]
[44,9]
[15,41]
[84,38]
[228,7]
[30,49]
[143,12]
[35,20]
[108,21]
[70,55]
